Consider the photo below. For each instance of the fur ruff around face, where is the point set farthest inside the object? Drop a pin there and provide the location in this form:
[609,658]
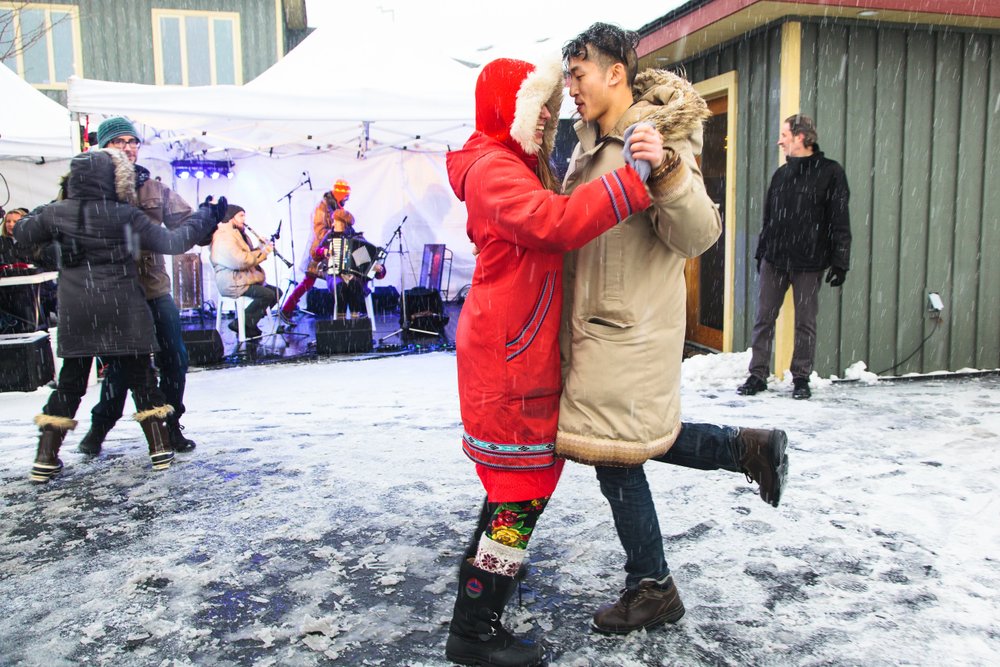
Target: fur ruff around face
[124,176]
[669,102]
[543,87]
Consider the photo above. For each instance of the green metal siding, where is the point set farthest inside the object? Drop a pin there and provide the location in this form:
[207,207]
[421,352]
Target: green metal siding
[117,36]
[912,115]
[988,321]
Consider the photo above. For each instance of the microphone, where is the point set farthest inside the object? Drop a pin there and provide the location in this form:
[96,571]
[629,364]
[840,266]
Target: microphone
[308,180]
[277,234]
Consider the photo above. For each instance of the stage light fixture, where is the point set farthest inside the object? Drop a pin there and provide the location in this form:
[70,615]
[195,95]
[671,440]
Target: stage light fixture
[213,169]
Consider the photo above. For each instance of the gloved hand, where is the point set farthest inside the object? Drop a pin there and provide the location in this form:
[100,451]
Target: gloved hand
[836,276]
[642,167]
[216,209]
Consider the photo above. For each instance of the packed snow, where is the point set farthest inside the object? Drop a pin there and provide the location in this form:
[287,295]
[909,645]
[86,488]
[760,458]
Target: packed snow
[321,518]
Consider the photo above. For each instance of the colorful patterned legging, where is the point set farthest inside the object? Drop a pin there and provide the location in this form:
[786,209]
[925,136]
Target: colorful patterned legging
[503,532]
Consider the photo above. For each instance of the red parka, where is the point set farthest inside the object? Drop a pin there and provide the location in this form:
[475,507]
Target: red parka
[507,339]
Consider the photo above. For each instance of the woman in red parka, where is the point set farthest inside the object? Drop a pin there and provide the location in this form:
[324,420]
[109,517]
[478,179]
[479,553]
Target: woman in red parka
[508,354]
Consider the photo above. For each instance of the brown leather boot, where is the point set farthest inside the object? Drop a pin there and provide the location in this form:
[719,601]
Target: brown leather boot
[761,456]
[47,464]
[154,427]
[649,606]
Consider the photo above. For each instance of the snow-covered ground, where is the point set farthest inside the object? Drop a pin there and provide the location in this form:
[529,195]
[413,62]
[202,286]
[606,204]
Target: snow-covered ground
[320,519]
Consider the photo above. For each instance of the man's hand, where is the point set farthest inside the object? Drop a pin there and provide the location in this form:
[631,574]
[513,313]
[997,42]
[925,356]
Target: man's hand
[647,144]
[836,276]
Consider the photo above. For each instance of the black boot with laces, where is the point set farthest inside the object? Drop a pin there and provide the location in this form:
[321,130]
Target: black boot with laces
[178,442]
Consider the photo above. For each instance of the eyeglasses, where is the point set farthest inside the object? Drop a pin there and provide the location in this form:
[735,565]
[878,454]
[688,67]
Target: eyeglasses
[122,143]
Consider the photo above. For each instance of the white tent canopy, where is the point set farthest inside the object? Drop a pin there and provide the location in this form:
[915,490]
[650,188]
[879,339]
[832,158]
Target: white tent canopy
[333,91]
[336,97]
[32,125]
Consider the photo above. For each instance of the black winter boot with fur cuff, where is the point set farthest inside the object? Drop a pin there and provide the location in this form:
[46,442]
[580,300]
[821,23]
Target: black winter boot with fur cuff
[47,463]
[154,427]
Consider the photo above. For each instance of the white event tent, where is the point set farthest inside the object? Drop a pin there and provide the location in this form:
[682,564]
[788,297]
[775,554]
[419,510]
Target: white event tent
[35,141]
[378,112]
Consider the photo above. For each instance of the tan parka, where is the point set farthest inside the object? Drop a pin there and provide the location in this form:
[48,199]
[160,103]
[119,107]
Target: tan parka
[622,336]
[236,264]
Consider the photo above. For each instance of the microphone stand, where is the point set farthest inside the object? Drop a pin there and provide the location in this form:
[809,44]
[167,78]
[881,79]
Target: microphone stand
[404,323]
[291,225]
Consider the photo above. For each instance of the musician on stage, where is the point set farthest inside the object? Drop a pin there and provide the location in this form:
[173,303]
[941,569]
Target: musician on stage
[331,202]
[237,269]
[350,289]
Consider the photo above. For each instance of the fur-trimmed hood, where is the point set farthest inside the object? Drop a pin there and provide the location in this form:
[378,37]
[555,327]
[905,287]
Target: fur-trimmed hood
[669,102]
[105,174]
[543,87]
[509,96]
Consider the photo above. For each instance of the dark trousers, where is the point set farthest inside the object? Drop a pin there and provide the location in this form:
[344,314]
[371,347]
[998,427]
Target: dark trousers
[700,446]
[351,294]
[774,283]
[135,370]
[171,360]
[261,298]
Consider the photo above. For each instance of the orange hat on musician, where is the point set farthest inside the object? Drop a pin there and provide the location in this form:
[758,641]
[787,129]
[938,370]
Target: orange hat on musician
[341,191]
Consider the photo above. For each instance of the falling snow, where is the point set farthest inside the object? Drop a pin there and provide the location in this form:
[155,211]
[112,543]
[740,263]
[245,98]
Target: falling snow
[320,519]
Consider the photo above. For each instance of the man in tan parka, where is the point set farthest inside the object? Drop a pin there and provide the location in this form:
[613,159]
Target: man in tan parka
[624,318]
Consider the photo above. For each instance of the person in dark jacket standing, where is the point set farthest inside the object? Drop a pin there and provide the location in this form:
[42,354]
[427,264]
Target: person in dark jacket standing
[165,207]
[806,231]
[102,308]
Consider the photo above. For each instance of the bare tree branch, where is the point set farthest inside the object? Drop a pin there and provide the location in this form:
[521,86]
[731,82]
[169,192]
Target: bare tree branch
[10,45]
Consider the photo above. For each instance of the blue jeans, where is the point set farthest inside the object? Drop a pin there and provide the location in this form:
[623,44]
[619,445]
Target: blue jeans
[171,360]
[701,446]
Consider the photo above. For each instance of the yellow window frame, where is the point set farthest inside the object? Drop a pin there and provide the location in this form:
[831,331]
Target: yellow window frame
[48,8]
[181,14]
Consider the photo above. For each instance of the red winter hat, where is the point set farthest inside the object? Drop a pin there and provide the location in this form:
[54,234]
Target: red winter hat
[341,191]
[510,95]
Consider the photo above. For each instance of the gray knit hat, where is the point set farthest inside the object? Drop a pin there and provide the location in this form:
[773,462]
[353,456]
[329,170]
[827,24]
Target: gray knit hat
[231,212]
[112,128]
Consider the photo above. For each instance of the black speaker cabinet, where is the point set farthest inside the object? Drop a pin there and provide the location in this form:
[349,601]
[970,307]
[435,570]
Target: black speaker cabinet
[319,302]
[350,336]
[385,299]
[425,312]
[204,346]
[25,361]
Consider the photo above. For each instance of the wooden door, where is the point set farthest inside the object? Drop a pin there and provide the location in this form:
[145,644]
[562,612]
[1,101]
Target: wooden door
[705,275]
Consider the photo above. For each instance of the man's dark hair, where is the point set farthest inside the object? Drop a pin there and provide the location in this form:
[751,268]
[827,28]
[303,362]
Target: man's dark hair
[804,125]
[609,44]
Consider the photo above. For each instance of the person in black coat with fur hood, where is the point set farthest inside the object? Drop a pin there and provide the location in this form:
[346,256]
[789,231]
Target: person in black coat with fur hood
[102,310]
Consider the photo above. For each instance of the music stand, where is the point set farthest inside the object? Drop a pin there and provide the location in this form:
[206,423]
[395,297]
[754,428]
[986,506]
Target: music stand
[404,323]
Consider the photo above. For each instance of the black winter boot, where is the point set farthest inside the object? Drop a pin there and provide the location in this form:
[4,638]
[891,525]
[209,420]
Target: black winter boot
[476,635]
[178,442]
[154,427]
[47,464]
[761,456]
[92,441]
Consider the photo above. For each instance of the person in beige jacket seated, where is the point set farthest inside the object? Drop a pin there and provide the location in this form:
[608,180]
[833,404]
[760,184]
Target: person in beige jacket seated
[237,269]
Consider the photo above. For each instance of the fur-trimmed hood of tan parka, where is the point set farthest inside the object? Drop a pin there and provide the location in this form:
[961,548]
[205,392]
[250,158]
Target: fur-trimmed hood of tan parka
[624,293]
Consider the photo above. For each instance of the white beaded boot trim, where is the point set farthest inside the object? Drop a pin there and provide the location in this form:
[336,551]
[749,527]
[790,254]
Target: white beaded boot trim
[498,558]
